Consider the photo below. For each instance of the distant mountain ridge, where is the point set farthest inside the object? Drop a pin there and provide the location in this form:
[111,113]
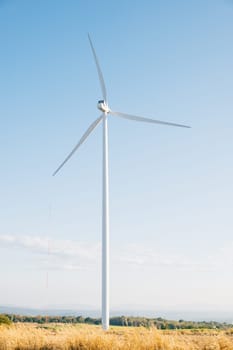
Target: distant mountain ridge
[47,311]
[86,311]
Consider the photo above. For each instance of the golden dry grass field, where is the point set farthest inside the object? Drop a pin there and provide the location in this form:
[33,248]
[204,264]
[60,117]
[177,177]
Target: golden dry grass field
[87,337]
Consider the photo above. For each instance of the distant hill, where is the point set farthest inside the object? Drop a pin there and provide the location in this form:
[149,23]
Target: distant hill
[43,312]
[86,311]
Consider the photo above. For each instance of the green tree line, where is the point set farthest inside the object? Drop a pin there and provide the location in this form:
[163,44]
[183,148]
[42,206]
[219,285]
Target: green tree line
[159,322]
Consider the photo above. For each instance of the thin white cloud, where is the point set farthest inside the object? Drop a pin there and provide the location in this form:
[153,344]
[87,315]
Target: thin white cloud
[52,246]
[56,253]
[139,255]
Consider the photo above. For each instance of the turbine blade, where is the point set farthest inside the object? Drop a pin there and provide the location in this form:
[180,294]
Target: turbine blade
[101,78]
[83,138]
[147,120]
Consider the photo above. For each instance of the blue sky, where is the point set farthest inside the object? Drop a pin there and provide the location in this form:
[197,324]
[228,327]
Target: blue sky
[170,189]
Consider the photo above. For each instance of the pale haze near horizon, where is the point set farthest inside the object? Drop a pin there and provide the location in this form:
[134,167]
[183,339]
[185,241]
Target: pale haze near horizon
[170,189]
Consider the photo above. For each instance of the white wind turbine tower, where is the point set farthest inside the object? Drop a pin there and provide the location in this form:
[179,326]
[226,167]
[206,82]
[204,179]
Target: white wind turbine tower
[106,111]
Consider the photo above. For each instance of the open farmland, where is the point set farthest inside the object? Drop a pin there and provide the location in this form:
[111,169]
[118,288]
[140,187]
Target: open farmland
[89,337]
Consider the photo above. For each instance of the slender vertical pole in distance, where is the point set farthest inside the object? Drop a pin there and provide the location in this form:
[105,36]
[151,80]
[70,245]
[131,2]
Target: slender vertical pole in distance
[105,229]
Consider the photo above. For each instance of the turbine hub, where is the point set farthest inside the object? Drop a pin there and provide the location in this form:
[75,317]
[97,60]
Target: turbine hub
[102,105]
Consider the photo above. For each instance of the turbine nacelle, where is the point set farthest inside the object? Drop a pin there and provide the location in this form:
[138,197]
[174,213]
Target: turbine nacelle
[102,105]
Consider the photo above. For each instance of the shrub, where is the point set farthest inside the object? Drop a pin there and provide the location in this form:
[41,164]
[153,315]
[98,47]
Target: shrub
[4,320]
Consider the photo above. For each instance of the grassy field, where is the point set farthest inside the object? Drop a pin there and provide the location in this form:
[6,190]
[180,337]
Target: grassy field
[87,337]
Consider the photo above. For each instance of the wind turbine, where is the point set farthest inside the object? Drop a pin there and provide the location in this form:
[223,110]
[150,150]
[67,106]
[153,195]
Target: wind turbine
[102,105]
